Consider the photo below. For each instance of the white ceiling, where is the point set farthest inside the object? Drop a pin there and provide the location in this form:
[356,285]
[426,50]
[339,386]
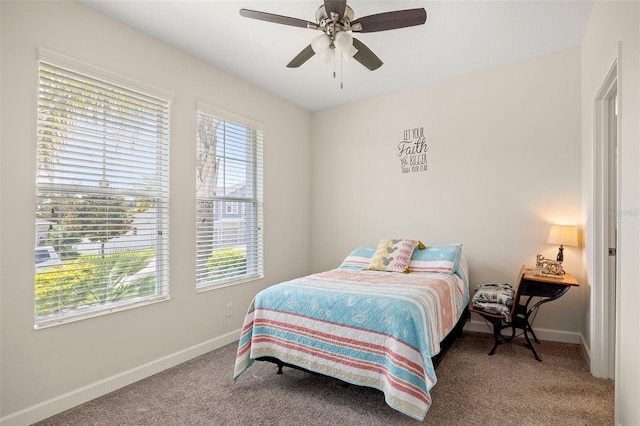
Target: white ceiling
[459,37]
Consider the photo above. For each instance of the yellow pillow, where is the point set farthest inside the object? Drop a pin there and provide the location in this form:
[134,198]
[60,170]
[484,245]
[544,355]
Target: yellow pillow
[393,255]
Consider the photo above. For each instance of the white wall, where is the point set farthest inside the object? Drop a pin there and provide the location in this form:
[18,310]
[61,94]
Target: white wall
[613,25]
[503,165]
[50,370]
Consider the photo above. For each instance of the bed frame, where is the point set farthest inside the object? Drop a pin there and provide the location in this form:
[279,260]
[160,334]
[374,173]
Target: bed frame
[444,346]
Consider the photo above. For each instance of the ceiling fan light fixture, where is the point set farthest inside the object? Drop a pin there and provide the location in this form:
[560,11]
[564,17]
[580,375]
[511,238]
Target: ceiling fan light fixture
[344,43]
[326,56]
[350,53]
[321,45]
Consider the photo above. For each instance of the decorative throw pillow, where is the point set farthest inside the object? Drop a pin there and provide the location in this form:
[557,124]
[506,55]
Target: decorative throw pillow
[441,258]
[393,255]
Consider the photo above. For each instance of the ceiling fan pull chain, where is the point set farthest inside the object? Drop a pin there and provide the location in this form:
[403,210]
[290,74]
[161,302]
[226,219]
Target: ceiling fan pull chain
[341,71]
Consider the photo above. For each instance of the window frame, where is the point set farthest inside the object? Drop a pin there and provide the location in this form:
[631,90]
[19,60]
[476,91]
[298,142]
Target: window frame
[241,203]
[160,223]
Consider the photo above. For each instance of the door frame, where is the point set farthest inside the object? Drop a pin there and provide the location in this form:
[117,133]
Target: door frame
[604,299]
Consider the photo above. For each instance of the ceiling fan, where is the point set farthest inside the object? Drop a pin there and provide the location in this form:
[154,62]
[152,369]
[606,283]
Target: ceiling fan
[335,19]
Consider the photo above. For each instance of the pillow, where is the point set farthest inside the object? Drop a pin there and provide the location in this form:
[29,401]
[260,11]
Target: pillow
[393,255]
[359,258]
[441,258]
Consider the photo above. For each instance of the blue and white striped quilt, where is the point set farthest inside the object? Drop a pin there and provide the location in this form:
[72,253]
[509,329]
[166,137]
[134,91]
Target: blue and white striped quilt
[369,328]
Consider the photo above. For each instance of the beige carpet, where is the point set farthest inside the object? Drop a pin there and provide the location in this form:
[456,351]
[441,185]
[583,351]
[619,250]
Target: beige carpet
[508,388]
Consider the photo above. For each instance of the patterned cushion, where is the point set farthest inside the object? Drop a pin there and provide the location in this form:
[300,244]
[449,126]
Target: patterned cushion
[441,258]
[393,255]
[494,298]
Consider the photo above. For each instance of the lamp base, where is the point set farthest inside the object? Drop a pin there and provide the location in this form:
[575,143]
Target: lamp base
[560,256]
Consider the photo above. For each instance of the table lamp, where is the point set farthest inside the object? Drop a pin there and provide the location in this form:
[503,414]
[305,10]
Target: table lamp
[563,235]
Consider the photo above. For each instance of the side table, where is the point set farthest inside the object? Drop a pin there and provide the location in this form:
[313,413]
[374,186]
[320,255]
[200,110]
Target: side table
[544,287]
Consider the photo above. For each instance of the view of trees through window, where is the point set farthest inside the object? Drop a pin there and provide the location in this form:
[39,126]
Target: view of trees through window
[101,196]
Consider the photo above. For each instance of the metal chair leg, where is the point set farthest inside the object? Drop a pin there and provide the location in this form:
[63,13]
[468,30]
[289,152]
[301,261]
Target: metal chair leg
[496,337]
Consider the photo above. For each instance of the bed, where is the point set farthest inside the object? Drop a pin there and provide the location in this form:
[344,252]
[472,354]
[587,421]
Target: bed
[364,324]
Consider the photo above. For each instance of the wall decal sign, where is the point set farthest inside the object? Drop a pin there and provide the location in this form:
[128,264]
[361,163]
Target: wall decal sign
[412,151]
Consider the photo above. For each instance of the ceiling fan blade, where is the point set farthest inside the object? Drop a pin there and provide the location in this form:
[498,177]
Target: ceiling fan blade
[337,6]
[365,56]
[301,58]
[277,19]
[390,20]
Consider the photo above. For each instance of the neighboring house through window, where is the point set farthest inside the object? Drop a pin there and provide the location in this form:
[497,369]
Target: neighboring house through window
[232,207]
[101,192]
[228,198]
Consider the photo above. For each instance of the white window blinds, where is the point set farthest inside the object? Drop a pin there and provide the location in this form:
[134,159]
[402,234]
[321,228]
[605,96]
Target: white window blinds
[101,196]
[228,200]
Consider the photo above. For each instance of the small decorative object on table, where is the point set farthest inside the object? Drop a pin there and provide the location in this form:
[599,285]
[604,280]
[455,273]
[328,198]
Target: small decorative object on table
[548,267]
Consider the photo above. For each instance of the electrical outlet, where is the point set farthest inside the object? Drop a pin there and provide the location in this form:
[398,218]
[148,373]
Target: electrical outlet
[229,310]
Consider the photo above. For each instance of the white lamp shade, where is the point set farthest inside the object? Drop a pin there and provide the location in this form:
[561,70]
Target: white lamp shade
[344,40]
[321,45]
[563,235]
[344,43]
[348,54]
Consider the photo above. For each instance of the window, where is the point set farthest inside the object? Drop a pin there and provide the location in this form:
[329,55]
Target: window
[228,200]
[101,194]
[232,207]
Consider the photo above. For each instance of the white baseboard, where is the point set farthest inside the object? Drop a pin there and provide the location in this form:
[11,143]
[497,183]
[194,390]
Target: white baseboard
[585,350]
[79,396]
[541,333]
